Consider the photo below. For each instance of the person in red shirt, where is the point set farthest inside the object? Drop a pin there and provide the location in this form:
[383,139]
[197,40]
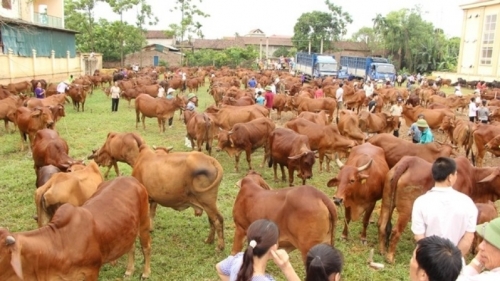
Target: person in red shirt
[269,96]
[319,94]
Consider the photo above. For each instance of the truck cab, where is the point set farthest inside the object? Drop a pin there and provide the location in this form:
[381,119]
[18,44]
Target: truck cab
[316,65]
[326,66]
[382,71]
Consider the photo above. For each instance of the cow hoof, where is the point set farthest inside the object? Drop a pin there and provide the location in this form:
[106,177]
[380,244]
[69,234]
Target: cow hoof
[35,217]
[144,276]
[363,242]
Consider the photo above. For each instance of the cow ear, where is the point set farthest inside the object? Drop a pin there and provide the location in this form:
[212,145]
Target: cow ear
[333,182]
[36,112]
[15,258]
[363,176]
[295,157]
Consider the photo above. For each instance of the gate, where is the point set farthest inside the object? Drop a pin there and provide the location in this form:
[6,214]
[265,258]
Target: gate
[90,63]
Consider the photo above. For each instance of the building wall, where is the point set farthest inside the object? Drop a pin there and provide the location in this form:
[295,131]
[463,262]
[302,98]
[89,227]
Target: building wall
[164,42]
[11,13]
[471,46]
[55,8]
[145,58]
[16,69]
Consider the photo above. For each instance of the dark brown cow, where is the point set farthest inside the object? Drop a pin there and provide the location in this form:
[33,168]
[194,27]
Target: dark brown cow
[246,137]
[349,126]
[61,256]
[118,147]
[484,140]
[78,95]
[50,149]
[305,216]
[34,82]
[412,177]
[30,121]
[323,138]
[395,148]
[199,127]
[8,108]
[358,194]
[377,122]
[181,180]
[162,109]
[45,173]
[291,150]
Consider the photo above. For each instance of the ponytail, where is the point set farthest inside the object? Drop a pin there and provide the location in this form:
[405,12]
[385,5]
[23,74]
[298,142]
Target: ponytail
[246,269]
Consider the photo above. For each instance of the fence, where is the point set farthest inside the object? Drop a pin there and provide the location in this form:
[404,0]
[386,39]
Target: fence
[16,69]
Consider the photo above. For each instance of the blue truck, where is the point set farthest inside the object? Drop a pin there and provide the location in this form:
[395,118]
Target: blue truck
[373,67]
[316,65]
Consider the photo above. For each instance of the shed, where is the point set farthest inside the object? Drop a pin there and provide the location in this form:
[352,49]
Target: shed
[152,54]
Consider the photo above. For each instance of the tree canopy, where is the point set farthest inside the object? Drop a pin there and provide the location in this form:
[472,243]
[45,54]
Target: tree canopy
[314,26]
[233,57]
[189,25]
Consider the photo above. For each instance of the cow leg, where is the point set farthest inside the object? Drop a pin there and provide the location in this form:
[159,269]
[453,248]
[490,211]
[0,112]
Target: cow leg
[130,262]
[366,221]
[237,161]
[216,224]
[115,164]
[283,176]
[159,124]
[345,232]
[248,152]
[275,166]
[83,106]
[152,213]
[321,157]
[107,172]
[145,239]
[239,235]
[290,176]
[404,215]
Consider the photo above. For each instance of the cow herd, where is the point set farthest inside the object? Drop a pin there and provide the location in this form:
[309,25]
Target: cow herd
[373,165]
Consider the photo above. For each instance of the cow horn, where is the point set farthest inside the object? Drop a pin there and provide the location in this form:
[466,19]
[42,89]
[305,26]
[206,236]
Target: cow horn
[230,132]
[365,166]
[10,240]
[339,163]
[441,143]
[170,148]
[154,147]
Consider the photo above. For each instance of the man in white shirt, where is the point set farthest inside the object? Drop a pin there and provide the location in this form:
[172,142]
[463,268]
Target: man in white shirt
[443,211]
[135,68]
[161,92]
[183,77]
[62,87]
[488,256]
[273,88]
[340,96]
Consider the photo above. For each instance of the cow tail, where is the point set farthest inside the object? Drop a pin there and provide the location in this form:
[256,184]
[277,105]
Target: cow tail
[333,215]
[218,178]
[207,131]
[468,140]
[269,150]
[392,184]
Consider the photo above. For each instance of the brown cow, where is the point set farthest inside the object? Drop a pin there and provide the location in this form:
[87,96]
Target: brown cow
[19,87]
[50,101]
[358,194]
[8,108]
[280,103]
[50,149]
[305,216]
[349,126]
[243,101]
[319,118]
[434,117]
[74,188]
[78,96]
[323,138]
[314,105]
[227,116]
[412,177]
[290,149]
[486,213]
[377,122]
[61,256]
[395,148]
[34,82]
[118,147]
[181,180]
[30,121]
[199,127]
[162,109]
[246,137]
[484,140]
[459,131]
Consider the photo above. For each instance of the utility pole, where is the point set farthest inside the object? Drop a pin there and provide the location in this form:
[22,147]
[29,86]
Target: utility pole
[309,46]
[121,39]
[321,47]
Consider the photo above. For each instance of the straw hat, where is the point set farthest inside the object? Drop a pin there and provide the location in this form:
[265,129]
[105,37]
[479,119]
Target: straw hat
[422,123]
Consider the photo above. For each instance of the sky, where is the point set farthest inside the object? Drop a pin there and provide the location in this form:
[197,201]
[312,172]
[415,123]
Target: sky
[278,17]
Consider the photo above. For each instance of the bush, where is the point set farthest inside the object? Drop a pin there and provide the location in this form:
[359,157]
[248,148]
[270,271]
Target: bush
[163,63]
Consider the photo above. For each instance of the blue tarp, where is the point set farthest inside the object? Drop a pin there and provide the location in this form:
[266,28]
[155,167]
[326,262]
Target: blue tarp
[22,39]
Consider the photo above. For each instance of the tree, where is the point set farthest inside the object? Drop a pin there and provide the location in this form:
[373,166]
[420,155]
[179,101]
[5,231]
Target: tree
[318,25]
[189,12]
[233,57]
[79,16]
[369,36]
[281,51]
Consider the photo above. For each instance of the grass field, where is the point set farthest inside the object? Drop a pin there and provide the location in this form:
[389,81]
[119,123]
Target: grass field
[178,251]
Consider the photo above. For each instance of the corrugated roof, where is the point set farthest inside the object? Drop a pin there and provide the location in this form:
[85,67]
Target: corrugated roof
[4,20]
[160,48]
[156,34]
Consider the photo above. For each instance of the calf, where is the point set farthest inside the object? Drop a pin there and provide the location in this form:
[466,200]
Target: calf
[78,95]
[79,240]
[200,128]
[287,148]
[358,194]
[74,188]
[246,137]
[305,216]
[30,121]
[118,147]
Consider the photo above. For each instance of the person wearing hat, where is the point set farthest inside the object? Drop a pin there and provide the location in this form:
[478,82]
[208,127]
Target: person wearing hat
[373,103]
[62,87]
[269,96]
[414,132]
[488,256]
[396,110]
[169,96]
[423,127]
[252,83]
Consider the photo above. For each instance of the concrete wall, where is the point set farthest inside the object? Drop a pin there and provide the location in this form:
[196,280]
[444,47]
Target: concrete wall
[145,58]
[16,69]
[469,77]
[11,13]
[469,61]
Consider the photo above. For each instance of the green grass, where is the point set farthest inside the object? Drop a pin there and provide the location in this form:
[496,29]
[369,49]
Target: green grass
[178,251]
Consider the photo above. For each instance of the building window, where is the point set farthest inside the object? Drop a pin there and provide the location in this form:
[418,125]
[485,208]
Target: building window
[490,23]
[486,54]
[6,4]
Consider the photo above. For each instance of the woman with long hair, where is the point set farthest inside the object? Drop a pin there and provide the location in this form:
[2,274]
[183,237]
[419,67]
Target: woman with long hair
[323,263]
[250,265]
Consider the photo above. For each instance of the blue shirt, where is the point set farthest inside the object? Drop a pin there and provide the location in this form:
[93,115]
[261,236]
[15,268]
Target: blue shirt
[416,132]
[427,136]
[169,96]
[261,100]
[190,106]
[231,266]
[252,83]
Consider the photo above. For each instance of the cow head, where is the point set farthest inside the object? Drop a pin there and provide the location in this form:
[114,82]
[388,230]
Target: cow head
[44,115]
[161,150]
[447,124]
[256,178]
[305,161]
[493,144]
[10,254]
[101,157]
[350,178]
[224,140]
